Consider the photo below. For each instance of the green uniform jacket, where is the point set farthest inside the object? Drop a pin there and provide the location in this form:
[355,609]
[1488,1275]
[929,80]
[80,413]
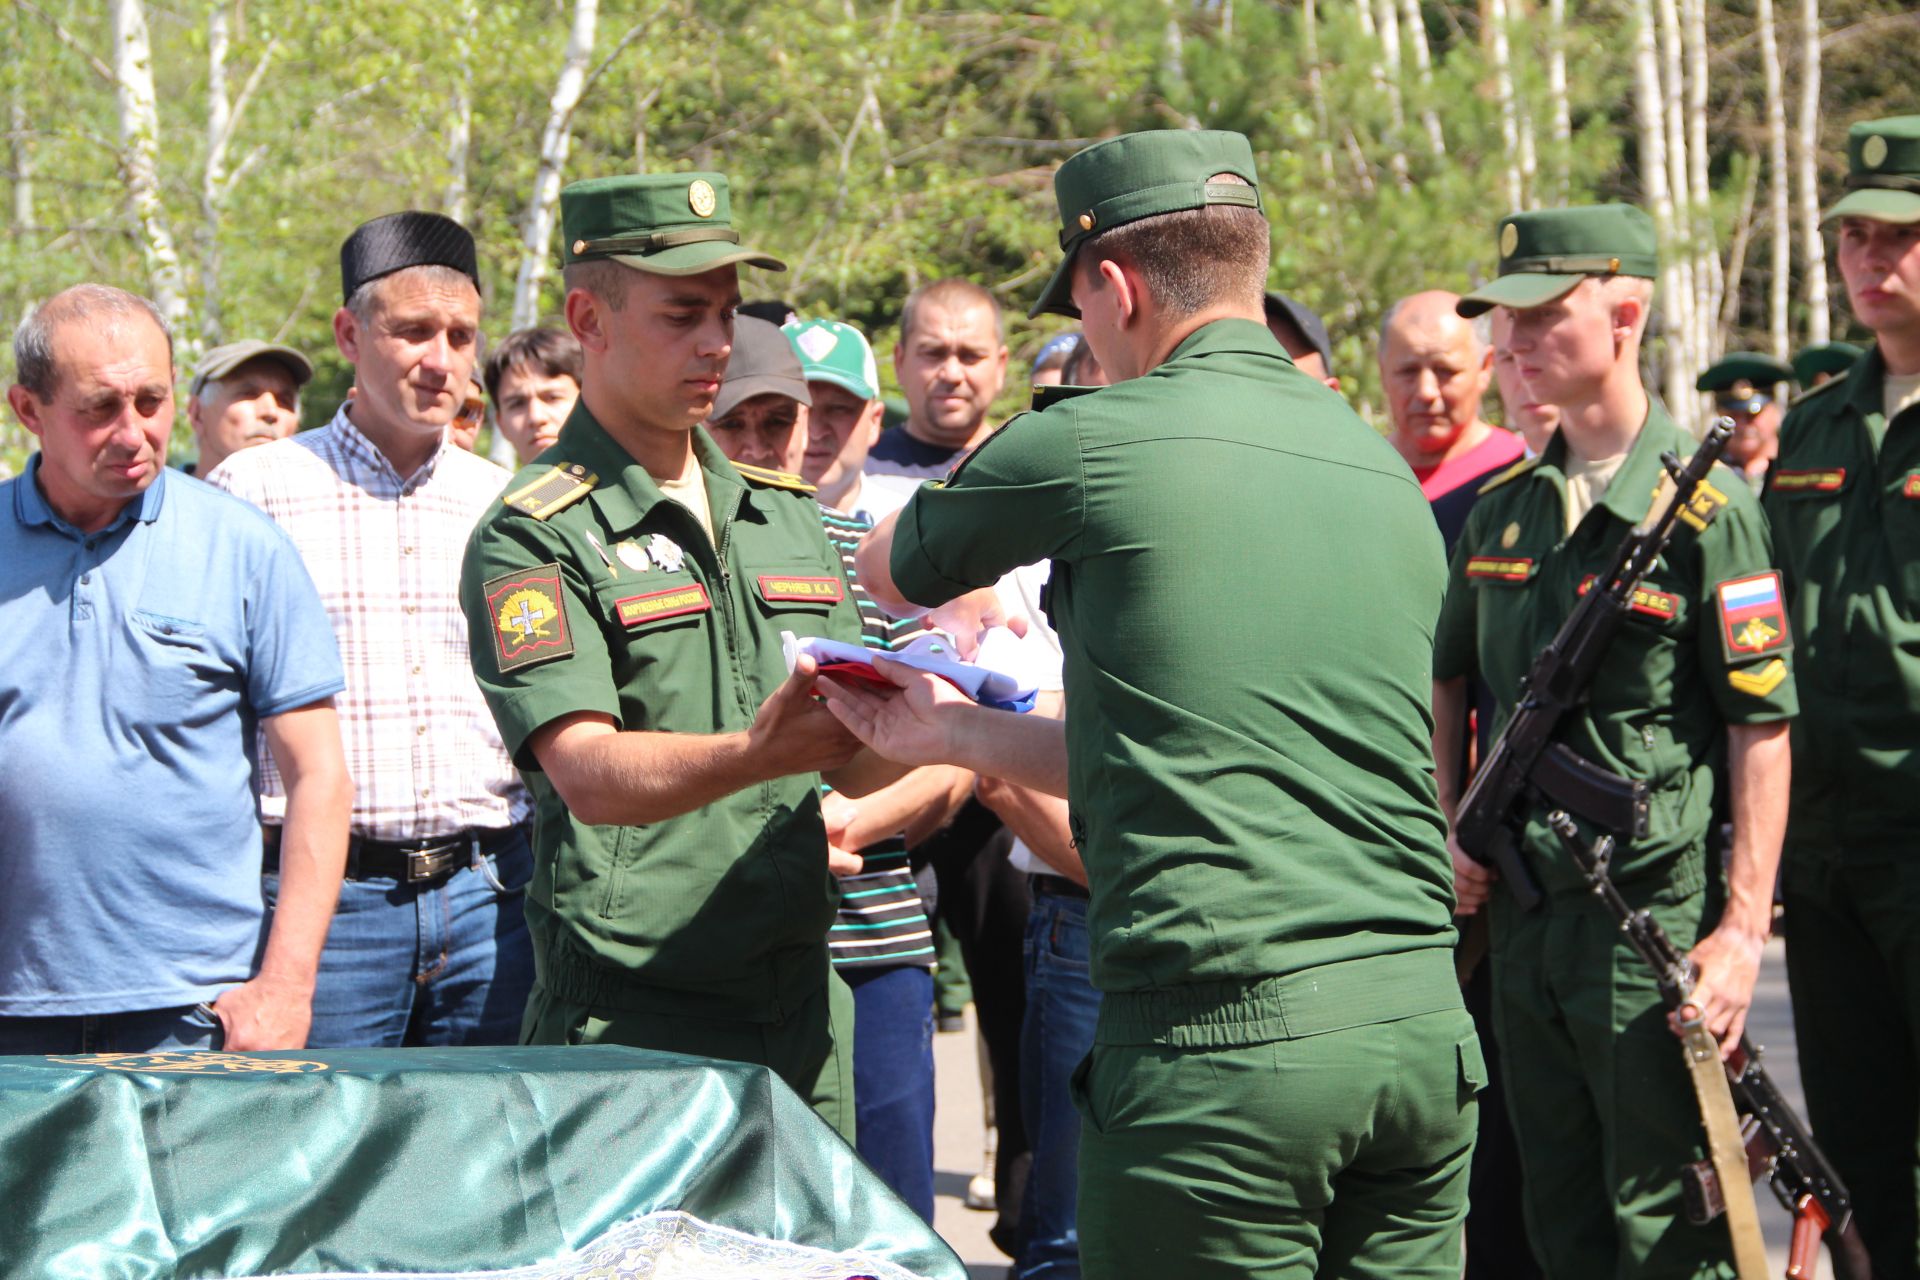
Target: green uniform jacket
[722,912]
[1844,500]
[1673,680]
[1245,582]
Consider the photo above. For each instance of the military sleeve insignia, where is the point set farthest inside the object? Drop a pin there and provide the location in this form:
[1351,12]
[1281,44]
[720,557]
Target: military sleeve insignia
[1761,680]
[529,616]
[1753,616]
[558,488]
[1702,507]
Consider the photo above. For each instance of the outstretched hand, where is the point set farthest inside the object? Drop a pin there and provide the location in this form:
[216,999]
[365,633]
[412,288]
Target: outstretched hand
[917,721]
[968,618]
[794,733]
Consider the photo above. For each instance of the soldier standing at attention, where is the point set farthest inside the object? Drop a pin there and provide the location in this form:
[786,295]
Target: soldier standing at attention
[1844,500]
[1697,686]
[1283,1079]
[625,601]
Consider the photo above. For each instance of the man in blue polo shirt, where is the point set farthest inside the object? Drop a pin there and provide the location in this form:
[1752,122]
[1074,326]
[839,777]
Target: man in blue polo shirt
[149,628]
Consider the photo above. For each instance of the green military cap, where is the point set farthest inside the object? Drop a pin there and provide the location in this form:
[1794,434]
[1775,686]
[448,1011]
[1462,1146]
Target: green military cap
[672,224]
[1883,171]
[1824,357]
[1743,375]
[1545,253]
[835,352]
[1138,175]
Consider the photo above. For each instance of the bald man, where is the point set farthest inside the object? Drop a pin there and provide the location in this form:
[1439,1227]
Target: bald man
[1435,368]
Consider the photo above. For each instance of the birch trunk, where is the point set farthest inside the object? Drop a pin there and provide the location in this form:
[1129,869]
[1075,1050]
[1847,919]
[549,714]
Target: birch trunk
[1679,305]
[19,152]
[1514,188]
[1807,175]
[460,129]
[1416,33]
[1557,93]
[1316,87]
[1386,75]
[214,172]
[140,145]
[1708,280]
[555,140]
[1779,223]
[1650,122]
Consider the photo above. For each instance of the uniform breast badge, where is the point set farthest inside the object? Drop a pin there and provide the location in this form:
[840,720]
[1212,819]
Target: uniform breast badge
[633,557]
[666,553]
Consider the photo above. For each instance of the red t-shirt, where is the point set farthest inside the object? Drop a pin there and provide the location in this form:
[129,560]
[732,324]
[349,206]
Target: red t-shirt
[1501,448]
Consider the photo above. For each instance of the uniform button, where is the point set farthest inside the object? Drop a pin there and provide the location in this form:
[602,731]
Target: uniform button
[416,671]
[413,608]
[420,729]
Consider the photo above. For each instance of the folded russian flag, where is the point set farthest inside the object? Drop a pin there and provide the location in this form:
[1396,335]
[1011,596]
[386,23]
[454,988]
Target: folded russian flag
[927,653]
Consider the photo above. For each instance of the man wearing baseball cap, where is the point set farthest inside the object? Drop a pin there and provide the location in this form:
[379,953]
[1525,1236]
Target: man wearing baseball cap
[244,394]
[625,601]
[1746,388]
[1844,500]
[1698,686]
[1282,1078]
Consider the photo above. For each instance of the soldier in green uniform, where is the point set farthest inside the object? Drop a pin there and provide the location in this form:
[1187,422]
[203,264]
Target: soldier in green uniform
[1697,687]
[1283,1078]
[625,604]
[1844,500]
[1746,388]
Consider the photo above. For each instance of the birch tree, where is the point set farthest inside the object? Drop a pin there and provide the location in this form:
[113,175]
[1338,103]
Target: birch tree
[536,240]
[1650,125]
[140,146]
[1807,174]
[1678,245]
[1557,97]
[1416,32]
[1780,225]
[460,126]
[216,182]
[1703,242]
[1316,85]
[1515,188]
[1386,74]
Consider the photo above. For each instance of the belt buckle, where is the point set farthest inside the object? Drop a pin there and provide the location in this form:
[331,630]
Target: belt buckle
[431,862]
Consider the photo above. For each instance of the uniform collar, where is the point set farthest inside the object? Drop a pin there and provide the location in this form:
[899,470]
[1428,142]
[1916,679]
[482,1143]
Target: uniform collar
[1630,494]
[625,492]
[1223,337]
[30,505]
[1866,383]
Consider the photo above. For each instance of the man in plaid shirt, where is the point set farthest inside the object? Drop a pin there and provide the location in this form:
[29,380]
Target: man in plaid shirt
[428,944]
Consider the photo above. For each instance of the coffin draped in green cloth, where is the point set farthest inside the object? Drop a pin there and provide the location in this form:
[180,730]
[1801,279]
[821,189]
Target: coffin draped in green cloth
[524,1162]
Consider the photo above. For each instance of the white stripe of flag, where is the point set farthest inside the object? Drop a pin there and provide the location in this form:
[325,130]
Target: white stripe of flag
[1749,593]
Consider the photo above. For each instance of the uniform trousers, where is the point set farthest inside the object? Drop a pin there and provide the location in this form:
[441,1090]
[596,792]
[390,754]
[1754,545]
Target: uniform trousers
[1853,968]
[1274,1129]
[1599,1093]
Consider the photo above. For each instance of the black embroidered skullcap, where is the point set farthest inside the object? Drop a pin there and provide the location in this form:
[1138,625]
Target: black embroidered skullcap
[401,240]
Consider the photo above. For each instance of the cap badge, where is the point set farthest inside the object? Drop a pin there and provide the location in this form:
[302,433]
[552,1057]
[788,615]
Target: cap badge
[666,553]
[816,343]
[1873,152]
[1086,222]
[1509,240]
[579,247]
[1510,535]
[701,199]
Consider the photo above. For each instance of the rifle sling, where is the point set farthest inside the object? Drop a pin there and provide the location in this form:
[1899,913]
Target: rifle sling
[1728,1152]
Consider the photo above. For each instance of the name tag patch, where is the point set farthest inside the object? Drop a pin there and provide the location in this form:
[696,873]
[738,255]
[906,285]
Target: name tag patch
[1500,568]
[1826,480]
[634,611]
[1651,601]
[1753,616]
[826,590]
[529,619]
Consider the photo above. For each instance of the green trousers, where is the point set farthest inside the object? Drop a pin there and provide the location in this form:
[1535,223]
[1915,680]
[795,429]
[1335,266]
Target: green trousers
[812,1050]
[1853,967]
[1602,1105]
[1277,1131]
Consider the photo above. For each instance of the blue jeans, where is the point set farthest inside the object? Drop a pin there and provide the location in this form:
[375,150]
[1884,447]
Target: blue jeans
[893,1078]
[443,964]
[1056,1033]
[141,1031]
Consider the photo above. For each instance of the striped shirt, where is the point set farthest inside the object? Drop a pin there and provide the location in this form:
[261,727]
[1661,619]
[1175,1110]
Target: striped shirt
[881,921]
[385,551]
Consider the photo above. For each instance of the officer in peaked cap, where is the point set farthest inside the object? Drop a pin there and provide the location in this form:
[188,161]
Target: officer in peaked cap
[625,602]
[1746,388]
[1844,499]
[1283,1077]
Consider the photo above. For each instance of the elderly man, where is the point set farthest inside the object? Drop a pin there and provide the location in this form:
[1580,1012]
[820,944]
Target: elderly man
[429,945]
[246,393]
[1435,368]
[1842,500]
[153,630]
[951,361]
[1746,387]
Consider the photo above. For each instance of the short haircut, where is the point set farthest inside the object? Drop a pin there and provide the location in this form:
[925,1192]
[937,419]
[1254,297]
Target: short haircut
[36,363]
[604,278]
[366,300]
[553,353]
[949,293]
[1194,258]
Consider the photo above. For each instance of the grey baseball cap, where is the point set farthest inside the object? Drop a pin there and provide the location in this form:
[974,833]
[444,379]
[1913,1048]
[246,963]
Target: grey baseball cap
[763,363]
[221,361]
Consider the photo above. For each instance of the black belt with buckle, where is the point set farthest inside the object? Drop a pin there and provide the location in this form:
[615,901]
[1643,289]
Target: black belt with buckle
[1058,886]
[407,861]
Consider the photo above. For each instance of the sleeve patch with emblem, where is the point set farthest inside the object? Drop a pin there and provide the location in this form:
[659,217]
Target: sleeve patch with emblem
[1753,616]
[777,587]
[1761,680]
[529,617]
[673,602]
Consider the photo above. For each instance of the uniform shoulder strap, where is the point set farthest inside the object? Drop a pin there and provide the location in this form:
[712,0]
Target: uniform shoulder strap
[1820,390]
[1513,472]
[769,479]
[553,489]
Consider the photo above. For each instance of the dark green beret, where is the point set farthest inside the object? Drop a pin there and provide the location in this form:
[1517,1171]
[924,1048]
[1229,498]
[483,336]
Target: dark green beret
[1545,253]
[1757,371]
[1826,357]
[671,224]
[1883,171]
[1138,175]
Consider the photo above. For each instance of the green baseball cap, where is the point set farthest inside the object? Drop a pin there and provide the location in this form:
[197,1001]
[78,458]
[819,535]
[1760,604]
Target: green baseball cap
[831,351]
[671,224]
[1883,171]
[1824,357]
[1742,375]
[1139,175]
[1545,253]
